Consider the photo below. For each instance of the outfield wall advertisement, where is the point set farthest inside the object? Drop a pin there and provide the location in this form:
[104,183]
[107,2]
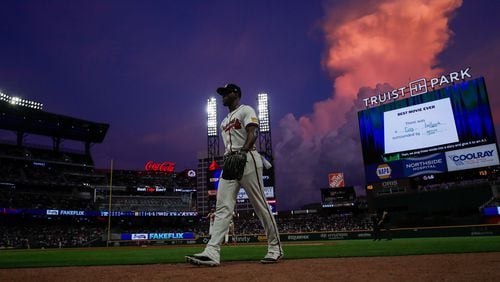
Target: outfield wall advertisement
[472,231]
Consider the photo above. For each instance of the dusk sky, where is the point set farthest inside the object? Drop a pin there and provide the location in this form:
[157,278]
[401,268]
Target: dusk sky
[148,67]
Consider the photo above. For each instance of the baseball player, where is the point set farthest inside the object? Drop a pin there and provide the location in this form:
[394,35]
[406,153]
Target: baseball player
[384,223]
[211,218]
[230,230]
[239,132]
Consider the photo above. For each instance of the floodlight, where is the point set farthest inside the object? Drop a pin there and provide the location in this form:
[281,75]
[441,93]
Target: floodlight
[263,112]
[20,102]
[212,117]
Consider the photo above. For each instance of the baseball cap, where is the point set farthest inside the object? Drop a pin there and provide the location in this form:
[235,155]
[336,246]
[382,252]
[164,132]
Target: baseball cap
[228,88]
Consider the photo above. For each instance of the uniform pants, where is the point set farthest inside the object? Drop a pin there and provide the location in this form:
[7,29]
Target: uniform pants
[226,200]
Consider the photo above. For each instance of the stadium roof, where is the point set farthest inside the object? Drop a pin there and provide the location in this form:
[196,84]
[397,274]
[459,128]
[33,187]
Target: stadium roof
[27,120]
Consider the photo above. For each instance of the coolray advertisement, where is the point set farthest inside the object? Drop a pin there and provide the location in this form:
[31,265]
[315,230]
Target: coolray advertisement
[480,156]
[435,163]
[448,119]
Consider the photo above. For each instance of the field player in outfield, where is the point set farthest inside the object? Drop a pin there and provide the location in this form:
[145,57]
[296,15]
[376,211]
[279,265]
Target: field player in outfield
[239,132]
[230,230]
[211,219]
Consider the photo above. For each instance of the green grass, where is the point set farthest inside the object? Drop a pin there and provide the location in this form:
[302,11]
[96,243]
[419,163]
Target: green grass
[321,249]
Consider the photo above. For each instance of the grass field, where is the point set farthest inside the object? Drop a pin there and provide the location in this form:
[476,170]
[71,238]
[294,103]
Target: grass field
[293,250]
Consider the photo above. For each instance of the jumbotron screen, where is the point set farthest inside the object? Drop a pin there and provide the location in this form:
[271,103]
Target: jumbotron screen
[338,197]
[443,130]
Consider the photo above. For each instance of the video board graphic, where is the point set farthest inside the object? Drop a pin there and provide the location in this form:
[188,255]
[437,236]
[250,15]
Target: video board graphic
[411,136]
[338,197]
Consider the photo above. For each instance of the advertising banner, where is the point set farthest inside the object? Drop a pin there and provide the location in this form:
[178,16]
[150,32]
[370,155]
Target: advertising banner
[268,192]
[429,164]
[392,186]
[336,179]
[480,156]
[158,236]
[384,171]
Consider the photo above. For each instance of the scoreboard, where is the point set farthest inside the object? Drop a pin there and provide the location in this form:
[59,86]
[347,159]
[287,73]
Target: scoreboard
[449,129]
[338,197]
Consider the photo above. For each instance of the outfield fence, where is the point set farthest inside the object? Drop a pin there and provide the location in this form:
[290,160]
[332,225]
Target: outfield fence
[416,232]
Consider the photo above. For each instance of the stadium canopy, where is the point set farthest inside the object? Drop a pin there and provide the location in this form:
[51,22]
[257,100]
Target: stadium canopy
[27,120]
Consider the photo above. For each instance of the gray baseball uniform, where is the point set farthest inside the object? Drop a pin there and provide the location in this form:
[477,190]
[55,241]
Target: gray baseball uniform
[234,135]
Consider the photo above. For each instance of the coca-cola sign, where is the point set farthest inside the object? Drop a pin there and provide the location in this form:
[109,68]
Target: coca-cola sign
[163,167]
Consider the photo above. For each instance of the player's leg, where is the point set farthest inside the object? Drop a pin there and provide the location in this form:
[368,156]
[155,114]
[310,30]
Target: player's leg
[226,199]
[253,184]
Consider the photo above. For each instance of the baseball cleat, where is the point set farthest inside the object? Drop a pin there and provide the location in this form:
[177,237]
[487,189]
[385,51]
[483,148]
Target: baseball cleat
[201,260]
[268,260]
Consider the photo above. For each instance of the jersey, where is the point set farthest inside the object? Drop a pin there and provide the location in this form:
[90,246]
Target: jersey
[233,128]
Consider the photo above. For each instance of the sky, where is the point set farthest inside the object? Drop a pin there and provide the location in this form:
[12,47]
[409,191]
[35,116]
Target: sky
[147,68]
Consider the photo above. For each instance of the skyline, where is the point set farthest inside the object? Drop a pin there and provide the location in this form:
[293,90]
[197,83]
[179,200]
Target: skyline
[148,68]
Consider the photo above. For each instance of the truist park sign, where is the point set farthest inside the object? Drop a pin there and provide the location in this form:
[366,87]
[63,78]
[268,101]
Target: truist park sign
[162,167]
[417,87]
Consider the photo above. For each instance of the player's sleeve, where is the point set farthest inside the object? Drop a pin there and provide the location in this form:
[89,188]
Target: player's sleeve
[221,126]
[250,118]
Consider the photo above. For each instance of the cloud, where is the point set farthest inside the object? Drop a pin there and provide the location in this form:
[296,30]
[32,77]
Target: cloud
[383,41]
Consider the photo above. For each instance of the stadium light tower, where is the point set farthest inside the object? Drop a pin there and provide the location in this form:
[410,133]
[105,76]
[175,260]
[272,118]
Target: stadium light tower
[265,145]
[213,138]
[16,101]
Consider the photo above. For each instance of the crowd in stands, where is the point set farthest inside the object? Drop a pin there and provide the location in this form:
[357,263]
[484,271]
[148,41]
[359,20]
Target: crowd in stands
[299,223]
[58,198]
[42,178]
[38,152]
[48,232]
[249,225]
[145,203]
[333,222]
[44,198]
[158,225]
[39,173]
[134,179]
[22,231]
[10,172]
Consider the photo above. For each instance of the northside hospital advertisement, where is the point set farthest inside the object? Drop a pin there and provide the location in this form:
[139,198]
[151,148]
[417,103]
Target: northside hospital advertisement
[449,129]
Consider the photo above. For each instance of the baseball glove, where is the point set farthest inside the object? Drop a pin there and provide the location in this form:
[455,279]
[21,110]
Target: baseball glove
[234,166]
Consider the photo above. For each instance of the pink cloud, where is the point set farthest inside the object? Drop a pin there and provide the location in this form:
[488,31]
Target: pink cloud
[373,46]
[392,43]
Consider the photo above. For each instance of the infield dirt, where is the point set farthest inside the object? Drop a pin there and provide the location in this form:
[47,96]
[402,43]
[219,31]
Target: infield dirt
[445,267]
